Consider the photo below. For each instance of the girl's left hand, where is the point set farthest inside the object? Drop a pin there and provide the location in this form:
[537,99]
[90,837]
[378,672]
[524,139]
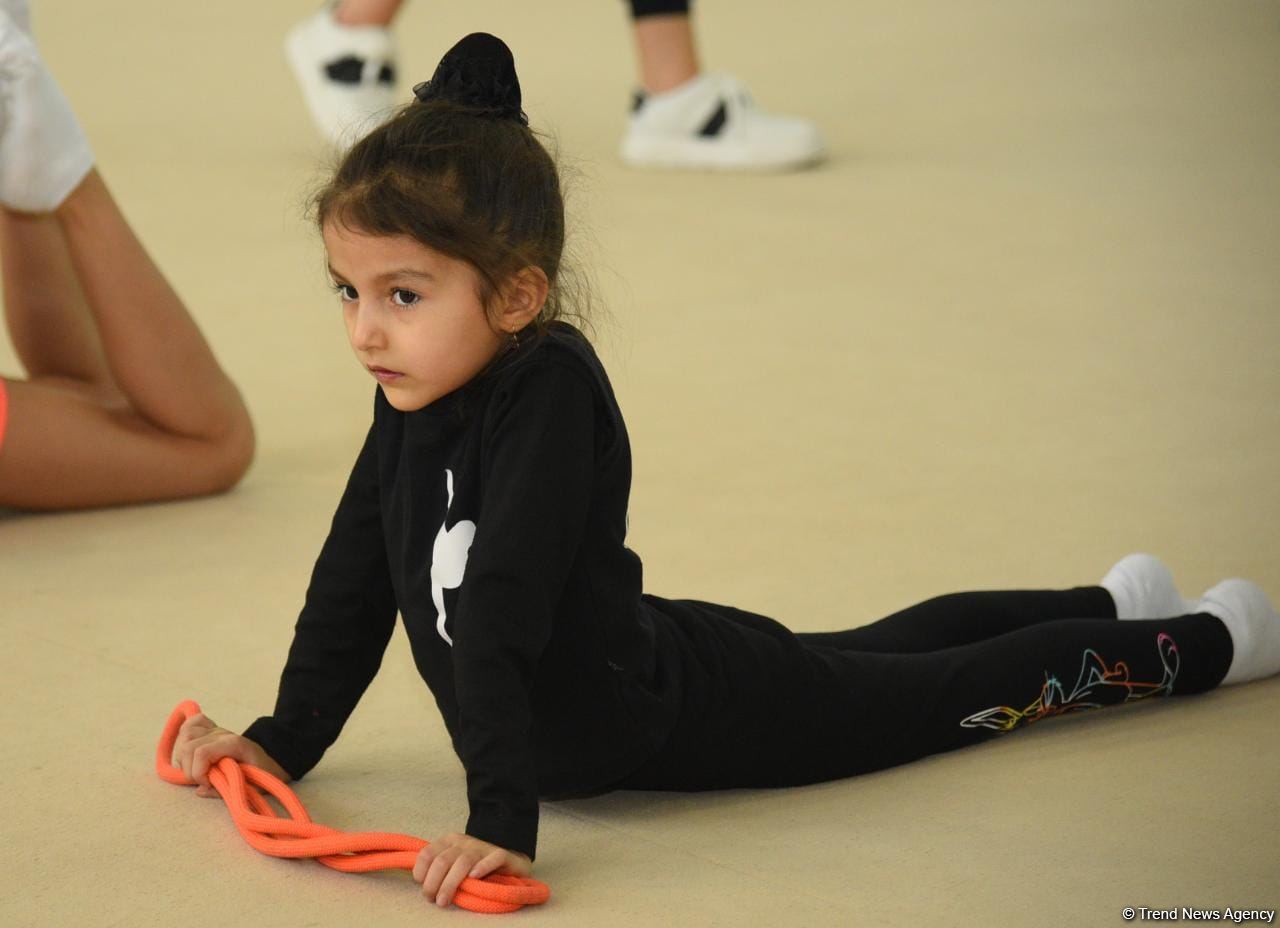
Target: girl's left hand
[444,863]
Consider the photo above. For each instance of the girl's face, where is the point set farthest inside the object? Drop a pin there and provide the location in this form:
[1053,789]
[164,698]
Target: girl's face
[412,314]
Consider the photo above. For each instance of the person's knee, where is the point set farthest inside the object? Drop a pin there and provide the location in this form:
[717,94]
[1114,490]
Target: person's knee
[206,464]
[217,462]
[232,455]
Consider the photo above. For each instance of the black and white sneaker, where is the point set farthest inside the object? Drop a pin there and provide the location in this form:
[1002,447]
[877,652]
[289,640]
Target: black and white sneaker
[347,74]
[711,122]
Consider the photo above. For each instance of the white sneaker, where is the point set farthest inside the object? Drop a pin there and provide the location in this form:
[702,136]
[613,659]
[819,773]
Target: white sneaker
[43,151]
[710,122]
[347,74]
[1254,626]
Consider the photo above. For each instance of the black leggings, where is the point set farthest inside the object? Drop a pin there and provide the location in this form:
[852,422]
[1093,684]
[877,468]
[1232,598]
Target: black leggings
[765,707]
[641,8]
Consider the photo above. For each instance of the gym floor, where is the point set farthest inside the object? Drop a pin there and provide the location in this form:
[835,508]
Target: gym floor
[1023,321]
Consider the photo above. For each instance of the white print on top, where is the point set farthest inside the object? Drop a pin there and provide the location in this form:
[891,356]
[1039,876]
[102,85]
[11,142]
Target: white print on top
[449,558]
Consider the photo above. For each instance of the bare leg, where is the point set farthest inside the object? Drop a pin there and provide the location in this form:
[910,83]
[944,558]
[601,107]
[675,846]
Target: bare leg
[156,354]
[367,12]
[667,53]
[49,322]
[147,415]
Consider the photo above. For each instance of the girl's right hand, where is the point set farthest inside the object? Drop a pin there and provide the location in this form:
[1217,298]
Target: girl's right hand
[201,744]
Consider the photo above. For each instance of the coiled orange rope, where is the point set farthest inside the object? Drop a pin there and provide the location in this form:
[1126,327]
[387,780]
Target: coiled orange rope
[297,836]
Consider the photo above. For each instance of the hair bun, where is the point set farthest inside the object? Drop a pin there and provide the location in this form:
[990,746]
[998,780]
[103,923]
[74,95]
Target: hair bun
[478,72]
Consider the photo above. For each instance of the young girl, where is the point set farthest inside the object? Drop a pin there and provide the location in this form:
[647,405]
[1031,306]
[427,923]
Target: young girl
[488,505]
[123,400]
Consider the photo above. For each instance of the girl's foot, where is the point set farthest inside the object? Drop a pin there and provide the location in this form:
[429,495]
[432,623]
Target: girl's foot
[1143,588]
[347,74]
[1254,626]
[43,152]
[710,122]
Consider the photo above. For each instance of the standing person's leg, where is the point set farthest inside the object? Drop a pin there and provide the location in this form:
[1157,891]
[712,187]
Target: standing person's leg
[344,58]
[366,12]
[684,118]
[666,50]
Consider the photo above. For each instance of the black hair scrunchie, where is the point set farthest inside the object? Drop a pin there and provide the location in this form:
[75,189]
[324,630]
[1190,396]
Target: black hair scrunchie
[479,72]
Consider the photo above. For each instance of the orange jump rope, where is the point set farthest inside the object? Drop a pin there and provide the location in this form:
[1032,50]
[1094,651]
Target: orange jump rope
[297,836]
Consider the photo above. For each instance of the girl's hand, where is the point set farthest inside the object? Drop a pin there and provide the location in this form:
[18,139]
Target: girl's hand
[444,863]
[201,744]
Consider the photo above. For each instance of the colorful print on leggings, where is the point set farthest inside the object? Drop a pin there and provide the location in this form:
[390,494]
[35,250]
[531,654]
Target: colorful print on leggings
[1097,685]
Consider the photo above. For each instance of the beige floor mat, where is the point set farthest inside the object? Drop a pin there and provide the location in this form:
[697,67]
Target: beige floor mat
[1024,321]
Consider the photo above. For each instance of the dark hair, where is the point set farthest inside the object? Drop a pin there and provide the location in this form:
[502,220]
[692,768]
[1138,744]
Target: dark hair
[463,176]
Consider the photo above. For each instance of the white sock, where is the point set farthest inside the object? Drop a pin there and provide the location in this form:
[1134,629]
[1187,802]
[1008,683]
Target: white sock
[1254,627]
[18,12]
[43,152]
[1143,588]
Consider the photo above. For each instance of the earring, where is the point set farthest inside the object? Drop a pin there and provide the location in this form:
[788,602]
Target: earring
[515,341]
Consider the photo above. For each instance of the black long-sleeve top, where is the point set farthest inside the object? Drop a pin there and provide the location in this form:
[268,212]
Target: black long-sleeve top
[494,520]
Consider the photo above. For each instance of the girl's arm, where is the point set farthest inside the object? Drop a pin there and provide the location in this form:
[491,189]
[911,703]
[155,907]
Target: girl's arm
[539,469]
[342,632]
